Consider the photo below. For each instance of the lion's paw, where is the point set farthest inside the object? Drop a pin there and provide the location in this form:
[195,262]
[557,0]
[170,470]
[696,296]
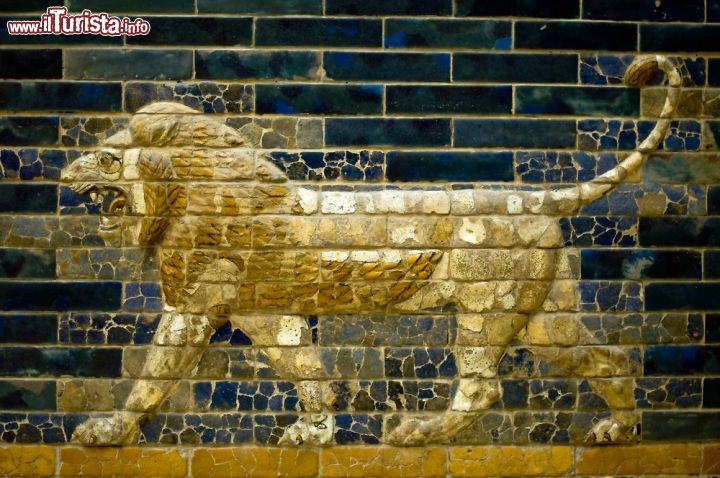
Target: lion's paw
[117,430]
[418,431]
[609,431]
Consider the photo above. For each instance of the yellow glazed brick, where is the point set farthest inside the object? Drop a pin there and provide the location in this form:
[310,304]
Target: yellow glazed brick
[640,459]
[32,461]
[254,462]
[510,461]
[132,461]
[382,462]
[711,459]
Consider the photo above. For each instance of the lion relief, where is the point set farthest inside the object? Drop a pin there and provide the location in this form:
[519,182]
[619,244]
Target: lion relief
[236,241]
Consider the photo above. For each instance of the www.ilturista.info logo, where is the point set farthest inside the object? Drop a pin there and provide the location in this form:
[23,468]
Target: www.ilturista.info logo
[57,22]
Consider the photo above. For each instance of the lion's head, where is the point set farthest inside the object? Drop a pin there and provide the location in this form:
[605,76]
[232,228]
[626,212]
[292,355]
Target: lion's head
[135,175]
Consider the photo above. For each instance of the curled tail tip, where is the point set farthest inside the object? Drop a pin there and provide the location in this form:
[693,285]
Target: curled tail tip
[641,70]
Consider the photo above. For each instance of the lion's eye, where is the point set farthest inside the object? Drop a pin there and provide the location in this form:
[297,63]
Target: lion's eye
[109,162]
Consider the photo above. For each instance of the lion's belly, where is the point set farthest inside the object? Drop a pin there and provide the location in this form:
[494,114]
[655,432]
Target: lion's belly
[265,263]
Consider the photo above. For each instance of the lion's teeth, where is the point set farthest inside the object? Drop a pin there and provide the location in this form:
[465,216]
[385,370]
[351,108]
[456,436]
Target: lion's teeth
[93,196]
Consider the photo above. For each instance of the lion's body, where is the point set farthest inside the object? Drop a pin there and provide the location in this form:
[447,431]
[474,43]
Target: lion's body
[236,238]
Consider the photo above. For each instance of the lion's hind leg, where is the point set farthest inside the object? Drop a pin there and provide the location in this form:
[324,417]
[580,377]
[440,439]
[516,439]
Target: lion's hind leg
[478,387]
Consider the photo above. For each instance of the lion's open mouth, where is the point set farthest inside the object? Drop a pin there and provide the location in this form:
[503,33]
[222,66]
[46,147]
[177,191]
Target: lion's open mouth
[111,200]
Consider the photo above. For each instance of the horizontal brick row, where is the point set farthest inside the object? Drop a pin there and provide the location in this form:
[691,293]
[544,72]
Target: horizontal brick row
[295,65]
[643,10]
[367,33]
[40,461]
[385,395]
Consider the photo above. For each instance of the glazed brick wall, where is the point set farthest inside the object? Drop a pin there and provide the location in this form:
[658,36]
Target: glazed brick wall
[372,91]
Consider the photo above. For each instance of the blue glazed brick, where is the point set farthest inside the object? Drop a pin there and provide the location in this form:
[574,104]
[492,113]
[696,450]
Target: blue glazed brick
[682,168]
[317,165]
[270,428]
[27,395]
[679,231]
[354,362]
[449,166]
[615,296]
[18,328]
[143,296]
[610,69]
[60,95]
[128,64]
[30,64]
[565,100]
[603,135]
[265,395]
[587,231]
[666,11]
[225,396]
[711,393]
[35,263]
[319,99]
[682,426]
[712,328]
[402,33]
[576,35]
[668,38]
[554,167]
[714,70]
[31,163]
[56,361]
[358,428]
[668,393]
[214,31]
[449,99]
[40,427]
[640,263]
[631,200]
[682,135]
[208,97]
[713,199]
[230,335]
[712,265]
[522,133]
[28,6]
[390,132]
[133,6]
[28,130]
[420,362]
[425,67]
[281,65]
[613,329]
[518,8]
[28,197]
[108,329]
[23,295]
[383,7]
[198,428]
[515,68]
[683,296]
[317,32]
[309,7]
[713,10]
[375,331]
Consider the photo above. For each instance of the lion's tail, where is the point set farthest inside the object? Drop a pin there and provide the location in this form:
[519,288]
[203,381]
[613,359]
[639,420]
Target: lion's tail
[639,72]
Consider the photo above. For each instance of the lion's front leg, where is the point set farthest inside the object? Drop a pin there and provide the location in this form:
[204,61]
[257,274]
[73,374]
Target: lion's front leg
[176,349]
